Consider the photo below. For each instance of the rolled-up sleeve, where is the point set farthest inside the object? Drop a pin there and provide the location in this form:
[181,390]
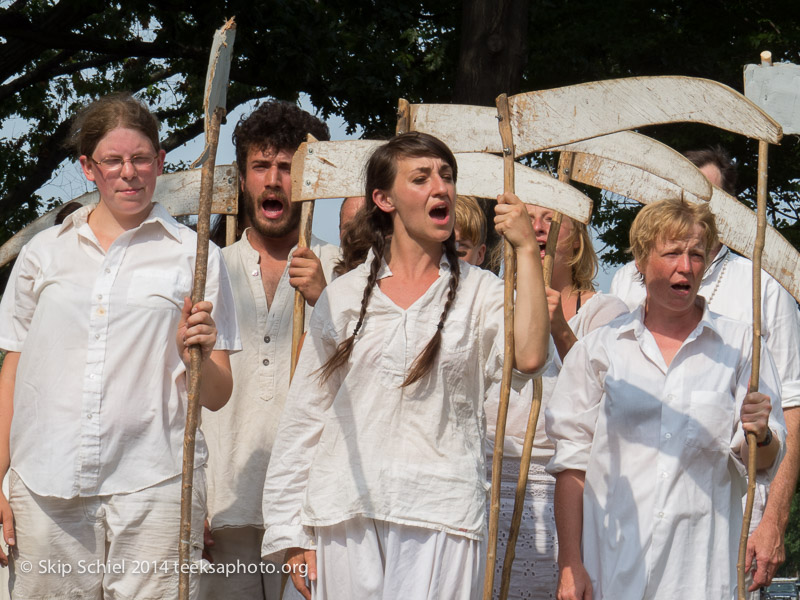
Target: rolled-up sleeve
[571,414]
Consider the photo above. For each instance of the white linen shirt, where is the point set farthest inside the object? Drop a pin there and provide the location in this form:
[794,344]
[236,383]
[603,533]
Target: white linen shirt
[361,445]
[240,435]
[599,310]
[100,394]
[659,445]
[732,276]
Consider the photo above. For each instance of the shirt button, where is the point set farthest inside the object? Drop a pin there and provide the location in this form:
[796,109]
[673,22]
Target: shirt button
[266,339]
[108,270]
[661,515]
[663,475]
[89,416]
[91,376]
[97,336]
[668,436]
[266,362]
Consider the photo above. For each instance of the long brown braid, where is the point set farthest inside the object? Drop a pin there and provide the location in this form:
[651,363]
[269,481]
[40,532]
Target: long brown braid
[372,227]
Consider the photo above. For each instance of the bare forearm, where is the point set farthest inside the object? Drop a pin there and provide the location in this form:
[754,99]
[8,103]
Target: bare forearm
[531,317]
[8,376]
[782,487]
[569,516]
[216,382]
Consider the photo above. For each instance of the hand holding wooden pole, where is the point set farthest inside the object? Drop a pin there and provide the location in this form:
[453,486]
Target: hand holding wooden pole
[752,448]
[216,85]
[564,168]
[306,223]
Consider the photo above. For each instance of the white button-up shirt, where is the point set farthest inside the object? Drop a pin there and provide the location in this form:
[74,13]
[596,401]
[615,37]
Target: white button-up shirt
[659,445]
[726,284]
[240,435]
[100,394]
[362,445]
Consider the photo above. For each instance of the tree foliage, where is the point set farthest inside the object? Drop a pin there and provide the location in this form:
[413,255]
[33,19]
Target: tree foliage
[356,58]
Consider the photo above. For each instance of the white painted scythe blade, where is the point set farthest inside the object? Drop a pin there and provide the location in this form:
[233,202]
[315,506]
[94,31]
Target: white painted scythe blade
[549,118]
[178,192]
[219,68]
[331,169]
[481,174]
[647,154]
[545,119]
[736,223]
[336,170]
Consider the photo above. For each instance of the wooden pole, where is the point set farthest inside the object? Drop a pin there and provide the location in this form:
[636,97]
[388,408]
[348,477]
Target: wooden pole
[509,277]
[306,222]
[752,448]
[755,373]
[193,407]
[403,117]
[564,169]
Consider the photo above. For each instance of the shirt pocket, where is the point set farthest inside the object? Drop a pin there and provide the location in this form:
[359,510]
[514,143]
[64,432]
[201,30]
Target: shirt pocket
[711,418]
[158,289]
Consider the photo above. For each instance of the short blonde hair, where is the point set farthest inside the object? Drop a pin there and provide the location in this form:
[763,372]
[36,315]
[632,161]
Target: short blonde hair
[669,219]
[470,220]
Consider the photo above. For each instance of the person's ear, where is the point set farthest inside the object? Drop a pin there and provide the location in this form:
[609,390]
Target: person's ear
[86,167]
[481,254]
[383,201]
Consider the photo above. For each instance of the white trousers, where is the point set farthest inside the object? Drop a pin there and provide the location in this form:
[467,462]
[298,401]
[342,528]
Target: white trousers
[378,560]
[116,547]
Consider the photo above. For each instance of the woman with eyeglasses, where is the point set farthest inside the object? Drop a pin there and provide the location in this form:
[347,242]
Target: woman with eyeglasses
[97,324]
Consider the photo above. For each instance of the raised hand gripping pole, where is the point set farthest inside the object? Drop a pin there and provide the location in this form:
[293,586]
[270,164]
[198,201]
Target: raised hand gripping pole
[216,88]
[509,277]
[306,222]
[564,169]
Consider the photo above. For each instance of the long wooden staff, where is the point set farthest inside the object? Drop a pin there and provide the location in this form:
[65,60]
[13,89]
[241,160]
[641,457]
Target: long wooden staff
[564,169]
[509,278]
[215,102]
[299,312]
[752,448]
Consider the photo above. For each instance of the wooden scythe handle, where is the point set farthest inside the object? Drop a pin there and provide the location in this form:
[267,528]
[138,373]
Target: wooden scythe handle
[510,273]
[752,448]
[193,407]
[306,222]
[564,169]
[403,117]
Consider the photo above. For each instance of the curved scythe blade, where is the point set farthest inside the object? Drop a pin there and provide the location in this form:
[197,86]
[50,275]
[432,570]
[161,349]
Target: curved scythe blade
[545,119]
[336,170]
[735,222]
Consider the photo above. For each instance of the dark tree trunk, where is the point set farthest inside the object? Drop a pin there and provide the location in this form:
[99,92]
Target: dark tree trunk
[494,44]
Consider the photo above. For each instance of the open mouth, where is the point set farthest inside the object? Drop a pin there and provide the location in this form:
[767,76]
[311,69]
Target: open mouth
[682,288]
[272,207]
[440,213]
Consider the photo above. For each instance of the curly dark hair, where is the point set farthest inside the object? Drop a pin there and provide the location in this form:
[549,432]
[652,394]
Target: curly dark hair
[275,124]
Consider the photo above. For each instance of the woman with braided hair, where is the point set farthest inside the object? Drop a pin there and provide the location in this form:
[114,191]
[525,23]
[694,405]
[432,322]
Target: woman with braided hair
[376,485]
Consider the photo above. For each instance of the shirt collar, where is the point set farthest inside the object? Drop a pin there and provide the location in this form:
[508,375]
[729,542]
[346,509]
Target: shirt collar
[635,321]
[384,271]
[158,214]
[712,270]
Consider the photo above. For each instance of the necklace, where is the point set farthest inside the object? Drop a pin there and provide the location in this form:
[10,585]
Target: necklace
[721,275]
